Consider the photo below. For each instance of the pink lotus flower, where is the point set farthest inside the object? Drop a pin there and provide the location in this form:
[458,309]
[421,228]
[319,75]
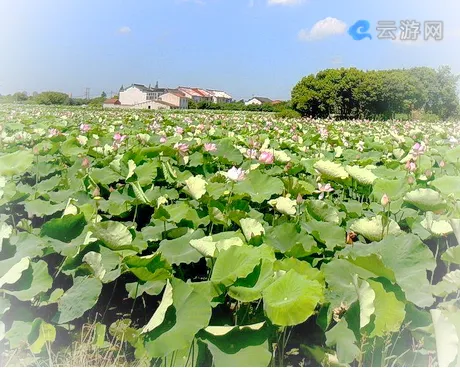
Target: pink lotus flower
[85,128]
[163,139]
[411,166]
[53,132]
[182,148]
[179,130]
[418,149]
[442,164]
[119,138]
[266,157]
[251,153]
[236,174]
[322,189]
[210,147]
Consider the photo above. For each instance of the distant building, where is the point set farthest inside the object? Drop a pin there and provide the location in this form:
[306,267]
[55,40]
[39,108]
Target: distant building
[258,101]
[111,102]
[220,96]
[175,98]
[138,95]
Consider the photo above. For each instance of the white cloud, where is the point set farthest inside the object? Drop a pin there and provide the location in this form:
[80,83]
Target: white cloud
[324,28]
[124,29]
[285,2]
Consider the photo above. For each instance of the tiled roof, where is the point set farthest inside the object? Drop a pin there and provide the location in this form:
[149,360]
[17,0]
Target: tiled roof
[262,99]
[112,101]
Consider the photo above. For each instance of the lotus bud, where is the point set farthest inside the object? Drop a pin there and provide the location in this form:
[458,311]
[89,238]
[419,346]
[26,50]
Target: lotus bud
[428,173]
[85,163]
[442,164]
[385,200]
[96,193]
[410,180]
[299,199]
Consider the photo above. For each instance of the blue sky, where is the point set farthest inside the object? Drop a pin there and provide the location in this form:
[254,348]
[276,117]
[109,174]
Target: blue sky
[245,47]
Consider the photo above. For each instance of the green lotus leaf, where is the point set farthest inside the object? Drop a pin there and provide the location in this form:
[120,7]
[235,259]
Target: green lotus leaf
[38,207]
[153,267]
[301,267]
[260,187]
[452,255]
[189,313]
[389,311]
[436,227]
[16,163]
[33,281]
[196,186]
[393,188]
[291,299]
[64,229]
[18,334]
[5,232]
[447,340]
[105,175]
[251,228]
[362,176]
[159,316]
[327,233]
[227,152]
[114,235]
[250,288]
[425,199]
[366,298]
[374,229]
[241,346]
[41,334]
[284,205]
[322,211]
[344,341]
[238,262]
[331,170]
[449,284]
[14,273]
[448,185]
[136,289]
[82,296]
[407,257]
[285,237]
[179,250]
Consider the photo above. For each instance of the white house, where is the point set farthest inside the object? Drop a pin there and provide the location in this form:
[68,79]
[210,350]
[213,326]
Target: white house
[111,103]
[153,105]
[220,96]
[258,101]
[175,98]
[138,93]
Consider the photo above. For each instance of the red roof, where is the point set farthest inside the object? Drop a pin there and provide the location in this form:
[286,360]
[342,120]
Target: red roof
[112,101]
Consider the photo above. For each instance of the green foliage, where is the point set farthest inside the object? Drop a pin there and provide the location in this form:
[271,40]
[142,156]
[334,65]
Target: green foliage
[352,93]
[181,263]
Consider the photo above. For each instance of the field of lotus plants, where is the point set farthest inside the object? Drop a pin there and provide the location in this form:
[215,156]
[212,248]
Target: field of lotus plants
[228,239]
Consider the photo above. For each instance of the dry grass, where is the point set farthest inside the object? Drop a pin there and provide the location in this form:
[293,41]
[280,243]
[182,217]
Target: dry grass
[82,353]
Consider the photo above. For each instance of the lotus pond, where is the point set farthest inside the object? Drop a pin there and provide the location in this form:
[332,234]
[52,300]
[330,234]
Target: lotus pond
[237,239]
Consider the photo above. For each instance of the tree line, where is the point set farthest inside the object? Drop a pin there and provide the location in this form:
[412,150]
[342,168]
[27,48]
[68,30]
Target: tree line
[350,93]
[52,98]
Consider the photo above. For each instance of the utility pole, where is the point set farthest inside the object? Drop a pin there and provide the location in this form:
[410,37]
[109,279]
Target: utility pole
[87,93]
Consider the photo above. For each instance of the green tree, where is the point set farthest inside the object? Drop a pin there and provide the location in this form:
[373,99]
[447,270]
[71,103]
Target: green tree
[103,94]
[52,98]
